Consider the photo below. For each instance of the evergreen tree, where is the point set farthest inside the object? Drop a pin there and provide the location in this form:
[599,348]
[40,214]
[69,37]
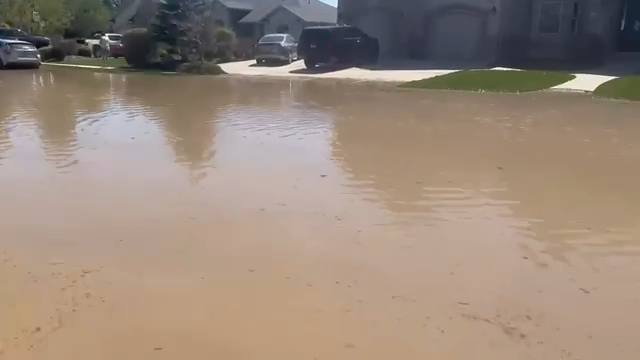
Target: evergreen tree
[167,26]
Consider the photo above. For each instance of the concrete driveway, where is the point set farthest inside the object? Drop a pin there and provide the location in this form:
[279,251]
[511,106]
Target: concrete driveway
[297,69]
[413,70]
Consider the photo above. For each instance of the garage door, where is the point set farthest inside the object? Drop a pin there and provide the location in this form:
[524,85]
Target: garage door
[379,26]
[455,37]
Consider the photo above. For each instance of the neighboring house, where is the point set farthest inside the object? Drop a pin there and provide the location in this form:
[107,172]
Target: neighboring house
[248,18]
[498,31]
[285,16]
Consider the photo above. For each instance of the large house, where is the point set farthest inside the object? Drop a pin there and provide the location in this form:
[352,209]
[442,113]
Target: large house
[248,18]
[498,31]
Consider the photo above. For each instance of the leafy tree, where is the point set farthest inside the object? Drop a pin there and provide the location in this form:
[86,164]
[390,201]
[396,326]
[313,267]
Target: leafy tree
[53,17]
[17,13]
[87,16]
[38,16]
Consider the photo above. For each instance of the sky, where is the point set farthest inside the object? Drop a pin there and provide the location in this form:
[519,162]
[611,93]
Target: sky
[330,2]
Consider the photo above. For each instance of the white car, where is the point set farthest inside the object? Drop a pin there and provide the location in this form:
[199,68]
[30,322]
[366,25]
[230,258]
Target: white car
[18,53]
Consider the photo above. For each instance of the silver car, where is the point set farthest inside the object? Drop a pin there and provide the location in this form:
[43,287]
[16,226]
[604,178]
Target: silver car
[276,47]
[18,53]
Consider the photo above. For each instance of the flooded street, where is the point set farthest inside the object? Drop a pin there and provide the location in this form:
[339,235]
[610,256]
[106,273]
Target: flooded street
[159,217]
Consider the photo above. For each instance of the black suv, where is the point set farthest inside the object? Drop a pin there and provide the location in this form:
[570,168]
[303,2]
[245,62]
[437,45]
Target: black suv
[17,34]
[336,44]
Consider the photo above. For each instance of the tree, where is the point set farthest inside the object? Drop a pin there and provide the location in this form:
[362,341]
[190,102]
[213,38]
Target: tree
[37,16]
[15,13]
[53,17]
[87,16]
[112,5]
[186,25]
[164,29]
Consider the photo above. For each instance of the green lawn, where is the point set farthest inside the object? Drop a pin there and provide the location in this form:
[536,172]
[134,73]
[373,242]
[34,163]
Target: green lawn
[120,65]
[108,65]
[626,88]
[493,81]
[109,62]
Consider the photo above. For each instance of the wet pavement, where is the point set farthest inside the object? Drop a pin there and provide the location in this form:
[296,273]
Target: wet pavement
[158,217]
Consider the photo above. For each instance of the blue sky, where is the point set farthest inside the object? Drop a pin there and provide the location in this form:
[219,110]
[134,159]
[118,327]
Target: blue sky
[330,2]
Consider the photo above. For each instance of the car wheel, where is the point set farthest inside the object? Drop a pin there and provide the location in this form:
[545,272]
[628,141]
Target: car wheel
[309,64]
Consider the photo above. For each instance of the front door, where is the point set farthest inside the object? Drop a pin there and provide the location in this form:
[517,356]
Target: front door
[630,32]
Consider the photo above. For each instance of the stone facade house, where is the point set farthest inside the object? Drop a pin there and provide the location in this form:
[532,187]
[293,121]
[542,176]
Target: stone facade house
[248,18]
[498,31]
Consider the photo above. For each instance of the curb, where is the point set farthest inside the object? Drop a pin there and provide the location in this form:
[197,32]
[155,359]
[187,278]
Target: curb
[80,66]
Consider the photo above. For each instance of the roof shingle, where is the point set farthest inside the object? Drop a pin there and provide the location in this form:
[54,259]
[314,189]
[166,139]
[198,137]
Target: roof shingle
[307,10]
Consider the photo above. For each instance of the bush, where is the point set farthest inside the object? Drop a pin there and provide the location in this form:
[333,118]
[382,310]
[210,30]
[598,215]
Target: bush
[55,39]
[84,51]
[204,68]
[226,42]
[138,47]
[68,46]
[50,53]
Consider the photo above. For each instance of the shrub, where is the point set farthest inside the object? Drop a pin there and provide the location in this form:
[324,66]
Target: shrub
[226,42]
[210,55]
[55,39]
[84,51]
[138,47]
[68,46]
[50,53]
[201,68]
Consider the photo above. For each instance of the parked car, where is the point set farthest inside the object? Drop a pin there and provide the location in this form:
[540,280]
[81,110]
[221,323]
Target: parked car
[17,34]
[336,44]
[276,47]
[115,44]
[18,53]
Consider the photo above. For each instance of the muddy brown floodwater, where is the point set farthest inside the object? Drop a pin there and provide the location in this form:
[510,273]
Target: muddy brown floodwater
[148,217]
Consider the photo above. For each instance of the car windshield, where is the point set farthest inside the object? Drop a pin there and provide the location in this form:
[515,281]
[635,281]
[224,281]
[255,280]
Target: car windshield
[11,32]
[115,37]
[272,39]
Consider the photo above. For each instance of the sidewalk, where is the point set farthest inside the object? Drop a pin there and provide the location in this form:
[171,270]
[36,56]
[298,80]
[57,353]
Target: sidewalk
[582,82]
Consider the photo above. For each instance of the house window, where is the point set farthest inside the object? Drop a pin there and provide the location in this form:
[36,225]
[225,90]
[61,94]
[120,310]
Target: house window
[283,29]
[575,15]
[550,17]
[219,23]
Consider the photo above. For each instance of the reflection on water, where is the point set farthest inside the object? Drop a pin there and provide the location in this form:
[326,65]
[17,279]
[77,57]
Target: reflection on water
[342,221]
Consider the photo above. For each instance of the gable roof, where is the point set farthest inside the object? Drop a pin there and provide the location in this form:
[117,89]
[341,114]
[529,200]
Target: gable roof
[238,4]
[307,10]
[315,11]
